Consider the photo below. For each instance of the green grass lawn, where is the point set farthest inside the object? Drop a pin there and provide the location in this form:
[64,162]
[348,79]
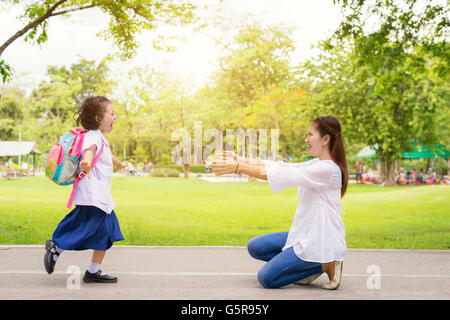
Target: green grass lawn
[175,211]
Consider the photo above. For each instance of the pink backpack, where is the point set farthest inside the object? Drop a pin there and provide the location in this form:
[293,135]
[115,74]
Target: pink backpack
[64,158]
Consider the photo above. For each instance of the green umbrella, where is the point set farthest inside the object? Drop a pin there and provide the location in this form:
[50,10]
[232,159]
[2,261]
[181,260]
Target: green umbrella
[436,150]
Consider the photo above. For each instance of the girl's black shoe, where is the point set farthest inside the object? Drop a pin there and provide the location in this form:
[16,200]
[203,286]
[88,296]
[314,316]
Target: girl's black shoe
[50,251]
[98,277]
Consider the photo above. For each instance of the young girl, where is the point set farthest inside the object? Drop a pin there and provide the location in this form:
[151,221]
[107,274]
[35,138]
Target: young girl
[315,242]
[92,224]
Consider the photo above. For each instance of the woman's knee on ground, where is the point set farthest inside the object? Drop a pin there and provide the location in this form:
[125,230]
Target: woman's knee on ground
[253,248]
[266,278]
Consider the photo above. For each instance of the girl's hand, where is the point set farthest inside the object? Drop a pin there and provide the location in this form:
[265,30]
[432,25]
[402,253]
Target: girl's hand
[119,164]
[220,167]
[86,166]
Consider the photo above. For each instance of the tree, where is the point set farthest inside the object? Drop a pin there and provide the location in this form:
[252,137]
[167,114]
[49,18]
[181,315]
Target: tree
[279,108]
[401,53]
[385,108]
[386,32]
[256,63]
[157,105]
[13,107]
[258,59]
[127,18]
[10,114]
[94,78]
[53,104]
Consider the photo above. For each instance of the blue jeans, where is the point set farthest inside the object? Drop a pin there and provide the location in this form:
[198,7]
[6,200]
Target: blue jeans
[283,267]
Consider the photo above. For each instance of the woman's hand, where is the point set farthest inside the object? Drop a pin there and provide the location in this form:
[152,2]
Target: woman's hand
[224,166]
[227,155]
[229,162]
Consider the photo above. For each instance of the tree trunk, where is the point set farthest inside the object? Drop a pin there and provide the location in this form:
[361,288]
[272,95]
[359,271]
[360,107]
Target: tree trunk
[428,165]
[186,168]
[387,171]
[283,140]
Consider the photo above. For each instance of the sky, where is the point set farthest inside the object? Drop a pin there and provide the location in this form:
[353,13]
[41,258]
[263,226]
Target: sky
[196,55]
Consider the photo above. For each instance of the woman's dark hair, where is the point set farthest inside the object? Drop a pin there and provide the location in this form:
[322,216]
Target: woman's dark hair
[89,109]
[331,126]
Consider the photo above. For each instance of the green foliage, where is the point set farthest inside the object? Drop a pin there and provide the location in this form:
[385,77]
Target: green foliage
[6,70]
[165,173]
[158,104]
[389,107]
[281,108]
[94,78]
[177,167]
[194,168]
[386,31]
[387,85]
[254,88]
[258,59]
[155,107]
[11,112]
[197,168]
[52,106]
[385,73]
[127,19]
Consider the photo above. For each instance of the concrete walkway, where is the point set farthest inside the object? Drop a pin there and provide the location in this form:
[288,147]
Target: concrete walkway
[210,273]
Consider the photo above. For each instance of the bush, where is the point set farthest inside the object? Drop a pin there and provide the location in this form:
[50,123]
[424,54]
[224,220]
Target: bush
[177,167]
[194,168]
[164,173]
[197,168]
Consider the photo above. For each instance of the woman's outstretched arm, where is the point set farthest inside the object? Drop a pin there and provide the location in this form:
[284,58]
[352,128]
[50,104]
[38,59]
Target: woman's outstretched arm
[229,163]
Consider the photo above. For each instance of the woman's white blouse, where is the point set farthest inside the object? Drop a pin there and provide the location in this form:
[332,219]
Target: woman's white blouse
[317,232]
[96,190]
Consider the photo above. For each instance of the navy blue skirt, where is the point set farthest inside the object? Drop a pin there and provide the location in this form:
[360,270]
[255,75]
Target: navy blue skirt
[87,227]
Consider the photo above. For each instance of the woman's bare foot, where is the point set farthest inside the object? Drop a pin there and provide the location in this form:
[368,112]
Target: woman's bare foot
[329,268]
[334,272]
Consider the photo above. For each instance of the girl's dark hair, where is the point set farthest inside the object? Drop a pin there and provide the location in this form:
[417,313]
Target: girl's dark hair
[331,126]
[91,107]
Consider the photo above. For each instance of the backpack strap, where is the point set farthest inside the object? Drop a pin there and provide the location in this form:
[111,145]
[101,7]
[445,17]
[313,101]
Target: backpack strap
[78,143]
[81,176]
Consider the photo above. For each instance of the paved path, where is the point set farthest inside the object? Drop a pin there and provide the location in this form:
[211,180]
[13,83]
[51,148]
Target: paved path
[198,273]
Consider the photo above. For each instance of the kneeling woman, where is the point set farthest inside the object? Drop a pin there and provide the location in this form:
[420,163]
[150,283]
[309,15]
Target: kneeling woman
[315,242]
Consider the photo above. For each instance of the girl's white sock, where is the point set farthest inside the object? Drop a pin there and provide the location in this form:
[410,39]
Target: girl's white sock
[94,267]
[59,250]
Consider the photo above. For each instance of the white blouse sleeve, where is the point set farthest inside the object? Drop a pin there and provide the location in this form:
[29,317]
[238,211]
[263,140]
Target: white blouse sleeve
[281,175]
[298,164]
[92,137]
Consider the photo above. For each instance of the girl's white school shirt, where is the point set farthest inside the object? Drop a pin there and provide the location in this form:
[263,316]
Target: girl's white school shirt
[96,190]
[317,233]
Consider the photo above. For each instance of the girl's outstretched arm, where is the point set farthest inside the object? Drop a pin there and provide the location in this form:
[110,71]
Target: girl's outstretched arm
[86,162]
[118,164]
